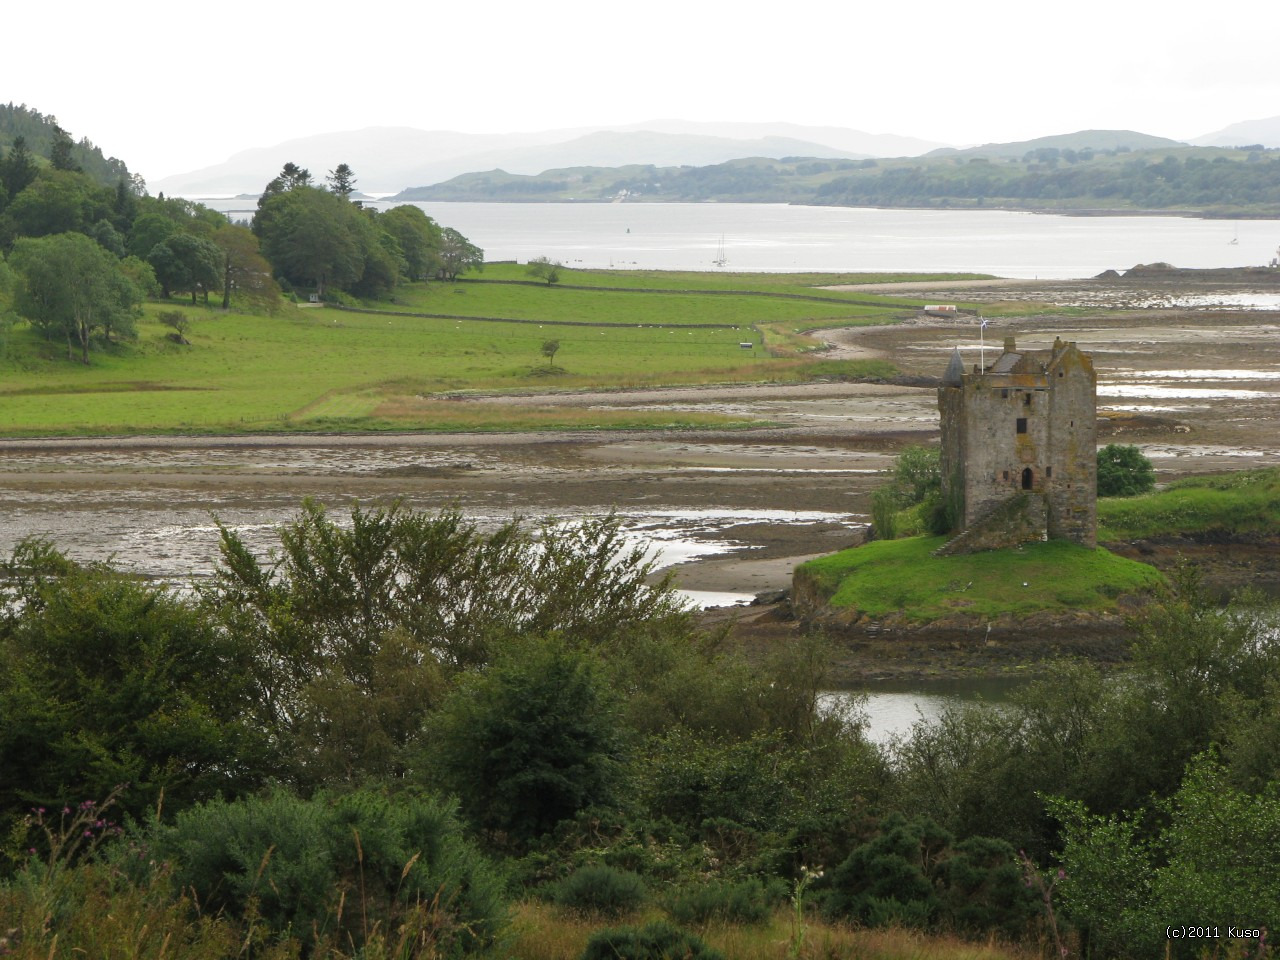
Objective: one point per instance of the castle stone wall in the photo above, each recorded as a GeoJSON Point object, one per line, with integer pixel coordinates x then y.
{"type": "Point", "coordinates": [1026, 424]}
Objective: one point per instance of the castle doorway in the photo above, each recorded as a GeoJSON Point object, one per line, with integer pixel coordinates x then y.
{"type": "Point", "coordinates": [1026, 479]}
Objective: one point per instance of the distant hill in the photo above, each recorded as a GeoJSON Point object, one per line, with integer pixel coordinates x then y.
{"type": "Point", "coordinates": [1096, 140]}
{"type": "Point", "coordinates": [1174, 178]}
{"type": "Point", "coordinates": [387, 159]}
{"type": "Point", "coordinates": [1264, 132]}
{"type": "Point", "coordinates": [37, 129]}
{"type": "Point", "coordinates": [753, 179]}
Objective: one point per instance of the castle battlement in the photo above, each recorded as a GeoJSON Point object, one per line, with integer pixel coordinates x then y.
{"type": "Point", "coordinates": [1023, 427]}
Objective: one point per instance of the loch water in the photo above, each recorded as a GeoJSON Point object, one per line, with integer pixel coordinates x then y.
{"type": "Point", "coordinates": [794, 238]}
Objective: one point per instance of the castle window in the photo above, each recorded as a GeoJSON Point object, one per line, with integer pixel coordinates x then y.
{"type": "Point", "coordinates": [1026, 399]}
{"type": "Point", "coordinates": [1027, 477]}
{"type": "Point", "coordinates": [1048, 471]}
{"type": "Point", "coordinates": [1022, 424]}
{"type": "Point", "coordinates": [1006, 476]}
{"type": "Point", "coordinates": [1059, 373]}
{"type": "Point", "coordinates": [1004, 394]}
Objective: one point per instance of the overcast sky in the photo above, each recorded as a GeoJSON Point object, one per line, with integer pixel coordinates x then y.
{"type": "Point", "coordinates": [171, 87]}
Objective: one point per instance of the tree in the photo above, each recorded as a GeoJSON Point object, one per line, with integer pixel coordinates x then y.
{"type": "Point", "coordinates": [418, 236]}
{"type": "Point", "coordinates": [7, 316]}
{"type": "Point", "coordinates": [342, 181]}
{"type": "Point", "coordinates": [107, 237]}
{"type": "Point", "coordinates": [186, 262]}
{"type": "Point", "coordinates": [142, 275]}
{"type": "Point", "coordinates": [314, 237]}
{"type": "Point", "coordinates": [60, 151]}
{"type": "Point", "coordinates": [1124, 472]}
{"type": "Point", "coordinates": [457, 255]}
{"type": "Point", "coordinates": [178, 322]}
{"type": "Point", "coordinates": [73, 288]}
{"type": "Point", "coordinates": [18, 169]}
{"type": "Point", "coordinates": [244, 270]}
{"type": "Point", "coordinates": [545, 269]}
{"type": "Point", "coordinates": [294, 176]}
{"type": "Point", "coordinates": [311, 237]}
{"type": "Point", "coordinates": [530, 741]}
{"type": "Point", "coordinates": [58, 201]}
{"type": "Point", "coordinates": [549, 349]}
{"type": "Point", "coordinates": [148, 230]}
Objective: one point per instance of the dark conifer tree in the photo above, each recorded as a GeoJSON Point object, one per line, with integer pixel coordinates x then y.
{"type": "Point", "coordinates": [342, 181]}
{"type": "Point", "coordinates": [18, 169]}
{"type": "Point", "coordinates": [60, 151]}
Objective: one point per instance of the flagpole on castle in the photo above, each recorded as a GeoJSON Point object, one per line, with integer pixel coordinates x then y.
{"type": "Point", "coordinates": [982, 346]}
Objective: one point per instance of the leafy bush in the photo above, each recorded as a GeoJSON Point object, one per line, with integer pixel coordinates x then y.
{"type": "Point", "coordinates": [529, 742]}
{"type": "Point", "coordinates": [654, 941]}
{"type": "Point", "coordinates": [1214, 857]}
{"type": "Point", "coordinates": [912, 502]}
{"type": "Point", "coordinates": [106, 680]}
{"type": "Point", "coordinates": [1124, 472]}
{"type": "Point", "coordinates": [747, 901]}
{"type": "Point", "coordinates": [339, 867]}
{"type": "Point", "coordinates": [602, 890]}
{"type": "Point", "coordinates": [359, 624]}
{"type": "Point", "coordinates": [697, 781]}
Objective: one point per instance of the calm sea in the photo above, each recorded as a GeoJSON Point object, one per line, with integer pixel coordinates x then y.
{"type": "Point", "coordinates": [777, 237]}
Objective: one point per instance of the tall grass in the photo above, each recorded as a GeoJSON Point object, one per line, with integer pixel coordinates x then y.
{"type": "Point", "coordinates": [543, 932]}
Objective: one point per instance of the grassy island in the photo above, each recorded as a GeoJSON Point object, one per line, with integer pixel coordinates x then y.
{"type": "Point", "coordinates": [904, 578]}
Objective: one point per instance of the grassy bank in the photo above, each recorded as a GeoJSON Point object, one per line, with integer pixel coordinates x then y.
{"type": "Point", "coordinates": [1233, 503]}
{"type": "Point", "coordinates": [316, 369]}
{"type": "Point", "coordinates": [904, 578]}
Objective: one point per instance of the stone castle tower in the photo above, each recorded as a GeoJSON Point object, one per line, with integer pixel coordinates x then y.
{"type": "Point", "coordinates": [1019, 447]}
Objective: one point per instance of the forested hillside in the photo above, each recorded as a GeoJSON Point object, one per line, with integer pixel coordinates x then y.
{"type": "Point", "coordinates": [85, 247]}
{"type": "Point", "coordinates": [40, 132]}
{"type": "Point", "coordinates": [1213, 180]}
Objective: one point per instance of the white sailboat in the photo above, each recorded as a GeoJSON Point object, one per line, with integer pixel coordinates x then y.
{"type": "Point", "coordinates": [720, 260]}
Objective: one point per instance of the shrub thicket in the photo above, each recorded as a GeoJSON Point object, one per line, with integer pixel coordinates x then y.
{"type": "Point", "coordinates": [654, 941]}
{"type": "Point", "coordinates": [337, 867]}
{"type": "Point", "coordinates": [601, 890]}
{"type": "Point", "coordinates": [743, 901]}
{"type": "Point", "coordinates": [913, 873]}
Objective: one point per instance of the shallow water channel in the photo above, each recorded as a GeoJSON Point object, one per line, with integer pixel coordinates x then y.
{"type": "Point", "coordinates": [890, 709]}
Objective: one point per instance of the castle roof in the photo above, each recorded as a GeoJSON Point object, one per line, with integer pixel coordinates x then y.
{"type": "Point", "coordinates": [1014, 361]}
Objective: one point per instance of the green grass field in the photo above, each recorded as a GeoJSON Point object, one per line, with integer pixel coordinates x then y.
{"type": "Point", "coordinates": [1233, 503]}
{"type": "Point", "coordinates": [319, 369]}
{"type": "Point", "coordinates": [903, 577]}
{"type": "Point", "coordinates": [614, 297]}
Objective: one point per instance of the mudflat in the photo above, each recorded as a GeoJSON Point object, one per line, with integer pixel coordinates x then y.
{"type": "Point", "coordinates": [1198, 389]}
